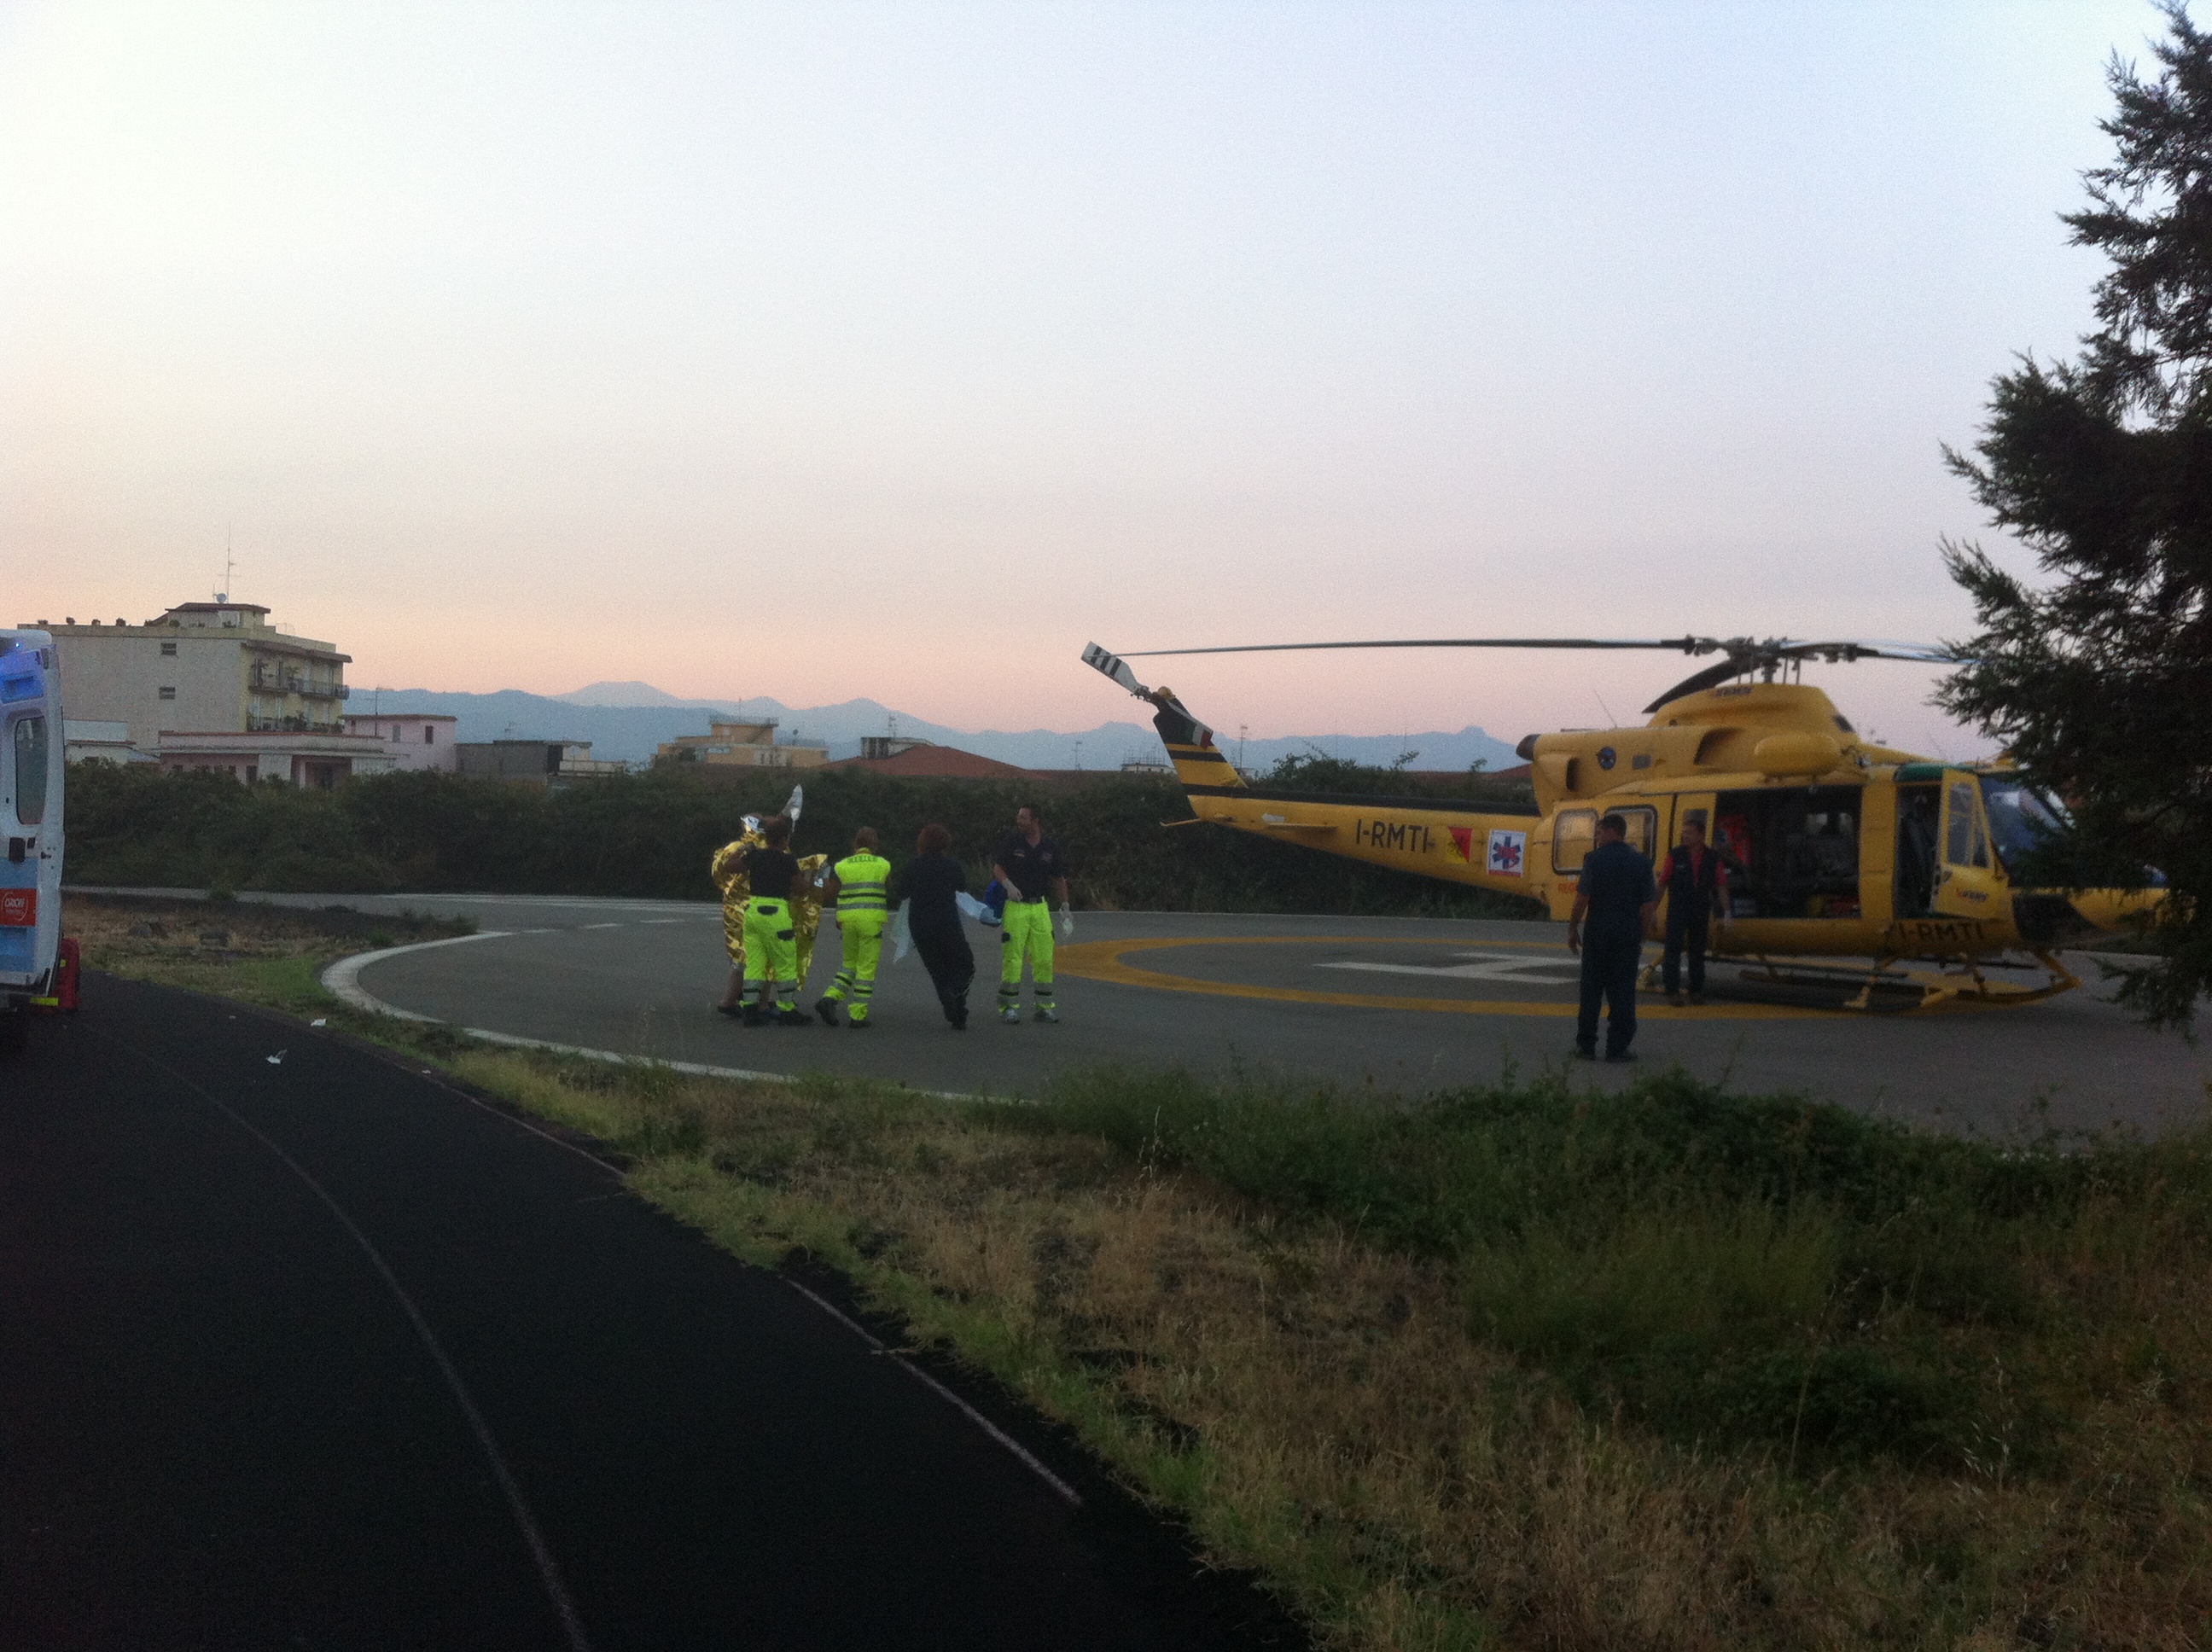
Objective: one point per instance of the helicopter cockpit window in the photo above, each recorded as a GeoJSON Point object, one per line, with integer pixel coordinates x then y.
{"type": "Point", "coordinates": [2021, 818]}
{"type": "Point", "coordinates": [1572, 836]}
{"type": "Point", "coordinates": [1792, 851]}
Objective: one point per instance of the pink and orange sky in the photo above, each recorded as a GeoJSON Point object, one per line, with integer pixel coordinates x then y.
{"type": "Point", "coordinates": [898, 351]}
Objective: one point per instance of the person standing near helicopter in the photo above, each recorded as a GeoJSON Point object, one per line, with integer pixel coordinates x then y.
{"type": "Point", "coordinates": [1695, 880]}
{"type": "Point", "coordinates": [1616, 897]}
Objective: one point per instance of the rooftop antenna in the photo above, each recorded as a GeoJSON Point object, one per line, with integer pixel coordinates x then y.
{"type": "Point", "coordinates": [229, 564]}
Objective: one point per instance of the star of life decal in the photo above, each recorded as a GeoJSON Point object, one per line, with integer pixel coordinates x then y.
{"type": "Point", "coordinates": [1508, 852]}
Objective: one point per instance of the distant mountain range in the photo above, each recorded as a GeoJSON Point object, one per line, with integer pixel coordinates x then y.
{"type": "Point", "coordinates": [626, 721]}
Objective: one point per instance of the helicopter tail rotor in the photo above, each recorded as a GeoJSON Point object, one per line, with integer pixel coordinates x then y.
{"type": "Point", "coordinates": [1114, 666]}
{"type": "Point", "coordinates": [1198, 762]}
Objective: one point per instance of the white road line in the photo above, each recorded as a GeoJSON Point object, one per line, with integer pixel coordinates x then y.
{"type": "Point", "coordinates": [1497, 967]}
{"type": "Point", "coordinates": [598, 925]}
{"type": "Point", "coordinates": [549, 1570]}
{"type": "Point", "coordinates": [915, 1371]}
{"type": "Point", "coordinates": [343, 979]}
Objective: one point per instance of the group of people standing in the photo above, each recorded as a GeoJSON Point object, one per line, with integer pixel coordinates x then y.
{"type": "Point", "coordinates": [773, 900]}
{"type": "Point", "coordinates": [1615, 901]}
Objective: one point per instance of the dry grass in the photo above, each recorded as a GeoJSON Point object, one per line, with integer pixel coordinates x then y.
{"type": "Point", "coordinates": [1322, 1408]}
{"type": "Point", "coordinates": [266, 955]}
{"type": "Point", "coordinates": [1321, 1411]}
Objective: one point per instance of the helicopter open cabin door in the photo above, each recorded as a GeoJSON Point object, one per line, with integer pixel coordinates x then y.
{"type": "Point", "coordinates": [1969, 882]}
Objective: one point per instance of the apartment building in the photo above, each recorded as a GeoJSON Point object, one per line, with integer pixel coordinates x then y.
{"type": "Point", "coordinates": [216, 685]}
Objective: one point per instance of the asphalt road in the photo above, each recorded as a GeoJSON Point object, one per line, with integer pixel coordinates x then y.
{"type": "Point", "coordinates": [305, 1348]}
{"type": "Point", "coordinates": [1405, 1005]}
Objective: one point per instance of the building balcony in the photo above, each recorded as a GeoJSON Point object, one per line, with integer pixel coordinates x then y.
{"type": "Point", "coordinates": [293, 726]}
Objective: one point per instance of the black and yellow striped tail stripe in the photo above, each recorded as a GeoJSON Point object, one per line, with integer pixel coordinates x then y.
{"type": "Point", "coordinates": [1197, 760]}
{"type": "Point", "coordinates": [1203, 766]}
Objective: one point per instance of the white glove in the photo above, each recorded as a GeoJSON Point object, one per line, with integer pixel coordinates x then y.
{"type": "Point", "coordinates": [1067, 923]}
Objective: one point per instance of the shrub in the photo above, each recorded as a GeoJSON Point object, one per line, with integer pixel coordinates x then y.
{"type": "Point", "coordinates": [652, 834]}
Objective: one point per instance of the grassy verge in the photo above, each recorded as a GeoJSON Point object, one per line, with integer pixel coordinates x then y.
{"type": "Point", "coordinates": [1512, 1366]}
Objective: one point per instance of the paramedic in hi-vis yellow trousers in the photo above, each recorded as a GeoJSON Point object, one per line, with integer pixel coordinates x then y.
{"type": "Point", "coordinates": [1030, 866]}
{"type": "Point", "coordinates": [771, 937]}
{"type": "Point", "coordinates": [857, 884]}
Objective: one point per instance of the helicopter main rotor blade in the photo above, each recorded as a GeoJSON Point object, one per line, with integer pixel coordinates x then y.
{"type": "Point", "coordinates": [1740, 660]}
{"type": "Point", "coordinates": [1680, 645]}
{"type": "Point", "coordinates": [1926, 654]}
{"type": "Point", "coordinates": [1712, 677]}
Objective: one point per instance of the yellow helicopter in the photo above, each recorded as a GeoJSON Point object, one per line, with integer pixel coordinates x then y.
{"type": "Point", "coordinates": [1837, 848]}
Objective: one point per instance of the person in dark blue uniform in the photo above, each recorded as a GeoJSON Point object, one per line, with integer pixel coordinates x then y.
{"type": "Point", "coordinates": [1613, 909]}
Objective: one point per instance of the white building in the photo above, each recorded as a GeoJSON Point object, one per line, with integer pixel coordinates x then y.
{"type": "Point", "coordinates": [86, 740]}
{"type": "Point", "coordinates": [414, 743]}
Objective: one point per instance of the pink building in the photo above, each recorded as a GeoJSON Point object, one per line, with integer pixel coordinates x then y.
{"type": "Point", "coordinates": [421, 742]}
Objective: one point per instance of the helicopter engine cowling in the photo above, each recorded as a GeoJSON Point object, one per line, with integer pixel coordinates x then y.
{"type": "Point", "coordinates": [1796, 754]}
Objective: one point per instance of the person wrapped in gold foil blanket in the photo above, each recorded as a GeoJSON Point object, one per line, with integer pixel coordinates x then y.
{"type": "Point", "coordinates": [727, 869]}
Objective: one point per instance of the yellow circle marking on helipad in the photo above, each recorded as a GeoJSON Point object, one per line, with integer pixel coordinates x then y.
{"type": "Point", "coordinates": [1101, 960]}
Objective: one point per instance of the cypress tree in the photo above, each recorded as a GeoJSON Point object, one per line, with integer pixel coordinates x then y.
{"type": "Point", "coordinates": [2099, 675]}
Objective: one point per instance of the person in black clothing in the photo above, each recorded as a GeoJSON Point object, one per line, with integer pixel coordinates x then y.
{"type": "Point", "coordinates": [1696, 881]}
{"type": "Point", "coordinates": [1617, 899]}
{"type": "Point", "coordinates": [928, 883]}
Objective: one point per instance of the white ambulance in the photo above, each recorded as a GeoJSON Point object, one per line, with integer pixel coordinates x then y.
{"type": "Point", "coordinates": [31, 756]}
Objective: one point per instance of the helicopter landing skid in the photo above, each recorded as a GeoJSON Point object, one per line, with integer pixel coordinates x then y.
{"type": "Point", "coordinates": [1887, 989]}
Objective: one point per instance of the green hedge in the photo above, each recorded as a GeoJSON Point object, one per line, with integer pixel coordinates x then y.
{"type": "Point", "coordinates": [652, 834]}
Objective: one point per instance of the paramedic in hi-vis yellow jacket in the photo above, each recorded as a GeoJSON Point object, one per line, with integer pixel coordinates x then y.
{"type": "Point", "coordinates": [858, 884]}
{"type": "Point", "coordinates": [1030, 866]}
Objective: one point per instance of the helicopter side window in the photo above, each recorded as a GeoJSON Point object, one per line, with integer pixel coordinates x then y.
{"type": "Point", "coordinates": [1572, 836]}
{"type": "Point", "coordinates": [1642, 829]}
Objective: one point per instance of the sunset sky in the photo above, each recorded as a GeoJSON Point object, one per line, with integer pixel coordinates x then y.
{"type": "Point", "coordinates": [829, 350]}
